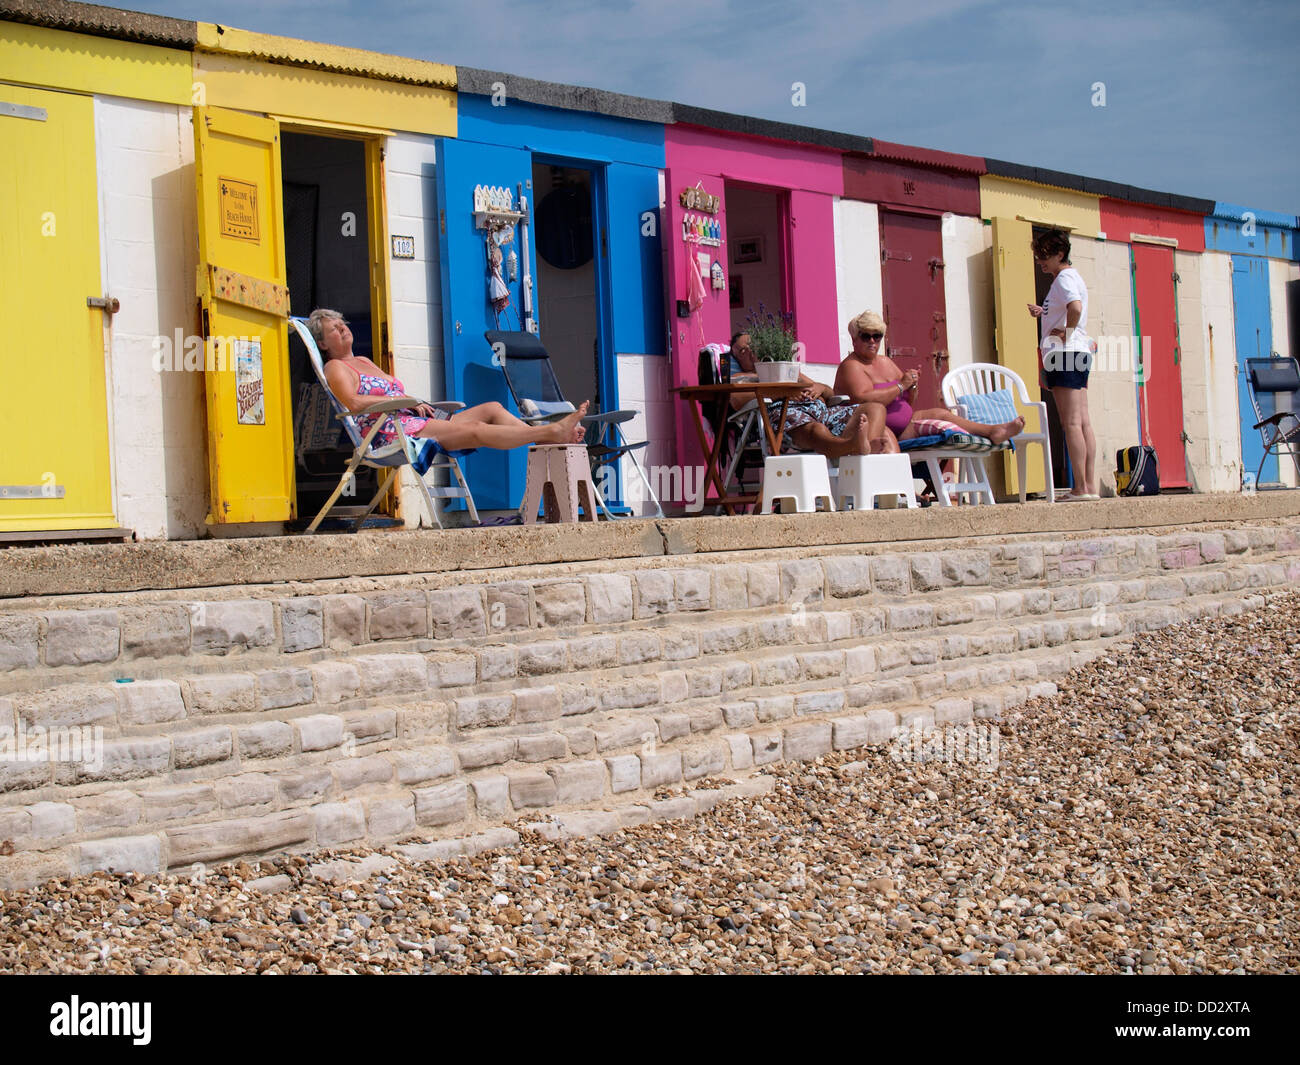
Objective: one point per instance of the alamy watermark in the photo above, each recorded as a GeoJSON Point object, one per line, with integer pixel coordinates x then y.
{"type": "Point", "coordinates": [976, 745]}
{"type": "Point", "coordinates": [75, 744]}
{"type": "Point", "coordinates": [671, 484]}
{"type": "Point", "coordinates": [189, 353]}
{"type": "Point", "coordinates": [1113, 354]}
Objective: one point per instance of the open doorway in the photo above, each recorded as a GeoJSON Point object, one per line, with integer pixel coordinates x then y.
{"type": "Point", "coordinates": [1061, 476]}
{"type": "Point", "coordinates": [327, 264]}
{"type": "Point", "coordinates": [755, 250]}
{"type": "Point", "coordinates": [567, 297]}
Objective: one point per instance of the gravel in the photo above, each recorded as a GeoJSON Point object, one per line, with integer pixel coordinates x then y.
{"type": "Point", "coordinates": [1142, 820]}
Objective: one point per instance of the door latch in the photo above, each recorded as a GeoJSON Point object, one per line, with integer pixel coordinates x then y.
{"type": "Point", "coordinates": [107, 304]}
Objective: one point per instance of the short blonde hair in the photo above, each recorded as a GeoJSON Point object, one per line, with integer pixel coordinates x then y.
{"type": "Point", "coordinates": [866, 322]}
{"type": "Point", "coordinates": [316, 324]}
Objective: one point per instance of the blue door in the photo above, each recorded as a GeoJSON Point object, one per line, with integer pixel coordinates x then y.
{"type": "Point", "coordinates": [496, 477]}
{"type": "Point", "coordinates": [1254, 337]}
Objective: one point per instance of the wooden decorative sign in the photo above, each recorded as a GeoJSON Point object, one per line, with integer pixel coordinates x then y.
{"type": "Point", "coordinates": [696, 199]}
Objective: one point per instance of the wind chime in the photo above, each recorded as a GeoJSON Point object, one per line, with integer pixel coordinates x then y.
{"type": "Point", "coordinates": [495, 213]}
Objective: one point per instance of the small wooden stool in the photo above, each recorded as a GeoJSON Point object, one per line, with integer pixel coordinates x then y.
{"type": "Point", "coordinates": [559, 478]}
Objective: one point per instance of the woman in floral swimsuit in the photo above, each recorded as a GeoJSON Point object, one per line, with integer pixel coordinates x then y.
{"type": "Point", "coordinates": [359, 383]}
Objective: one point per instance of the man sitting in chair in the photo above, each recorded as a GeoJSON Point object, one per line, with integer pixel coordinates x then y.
{"type": "Point", "coordinates": [810, 425]}
{"type": "Point", "coordinates": [359, 383]}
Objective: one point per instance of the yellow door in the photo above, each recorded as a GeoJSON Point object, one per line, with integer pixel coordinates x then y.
{"type": "Point", "coordinates": [54, 457]}
{"type": "Point", "coordinates": [1017, 331]}
{"type": "Point", "coordinates": [245, 306]}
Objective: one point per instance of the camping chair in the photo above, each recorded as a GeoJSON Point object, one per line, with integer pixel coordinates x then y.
{"type": "Point", "coordinates": [421, 455]}
{"type": "Point", "coordinates": [532, 382]}
{"type": "Point", "coordinates": [972, 390]}
{"type": "Point", "coordinates": [1274, 383]}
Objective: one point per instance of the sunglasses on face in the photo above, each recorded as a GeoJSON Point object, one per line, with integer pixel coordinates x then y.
{"type": "Point", "coordinates": [877, 337]}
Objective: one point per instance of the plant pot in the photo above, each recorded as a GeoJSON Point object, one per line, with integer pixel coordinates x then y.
{"type": "Point", "coordinates": [772, 372]}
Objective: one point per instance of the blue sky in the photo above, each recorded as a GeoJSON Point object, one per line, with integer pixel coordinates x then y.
{"type": "Point", "coordinates": [1200, 98]}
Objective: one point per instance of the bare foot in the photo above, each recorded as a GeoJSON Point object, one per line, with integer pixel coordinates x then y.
{"type": "Point", "coordinates": [1002, 433]}
{"type": "Point", "coordinates": [852, 440]}
{"type": "Point", "coordinates": [567, 430]}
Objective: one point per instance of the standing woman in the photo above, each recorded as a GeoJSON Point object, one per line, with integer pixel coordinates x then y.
{"type": "Point", "coordinates": [1067, 355]}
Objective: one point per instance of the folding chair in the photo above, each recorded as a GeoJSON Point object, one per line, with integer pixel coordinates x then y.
{"type": "Point", "coordinates": [1274, 384]}
{"type": "Point", "coordinates": [532, 382]}
{"type": "Point", "coordinates": [982, 379]}
{"type": "Point", "coordinates": [421, 455]}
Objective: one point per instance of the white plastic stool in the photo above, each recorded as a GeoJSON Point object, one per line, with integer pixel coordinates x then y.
{"type": "Point", "coordinates": [558, 479]}
{"type": "Point", "coordinates": [864, 477]}
{"type": "Point", "coordinates": [802, 479]}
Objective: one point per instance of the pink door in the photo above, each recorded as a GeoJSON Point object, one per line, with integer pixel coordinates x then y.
{"type": "Point", "coordinates": [911, 252]}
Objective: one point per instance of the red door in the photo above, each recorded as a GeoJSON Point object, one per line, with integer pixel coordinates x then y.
{"type": "Point", "coordinates": [1160, 394]}
{"type": "Point", "coordinates": [911, 253]}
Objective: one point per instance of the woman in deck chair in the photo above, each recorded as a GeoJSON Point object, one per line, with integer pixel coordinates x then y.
{"type": "Point", "coordinates": [359, 383]}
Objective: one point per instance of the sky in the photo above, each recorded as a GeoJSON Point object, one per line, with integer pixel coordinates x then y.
{"type": "Point", "coordinates": [1194, 98]}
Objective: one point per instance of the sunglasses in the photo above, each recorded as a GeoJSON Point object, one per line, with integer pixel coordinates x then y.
{"type": "Point", "coordinates": [871, 336]}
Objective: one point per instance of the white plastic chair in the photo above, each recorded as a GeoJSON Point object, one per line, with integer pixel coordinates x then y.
{"type": "Point", "coordinates": [984, 377]}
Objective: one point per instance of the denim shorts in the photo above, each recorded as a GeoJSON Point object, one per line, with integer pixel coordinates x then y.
{"type": "Point", "coordinates": [1067, 369]}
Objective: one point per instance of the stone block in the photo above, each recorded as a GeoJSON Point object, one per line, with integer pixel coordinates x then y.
{"type": "Point", "coordinates": [782, 630]}
{"type": "Point", "coordinates": [637, 647]}
{"type": "Point", "coordinates": [126, 760]}
{"type": "Point", "coordinates": [610, 597]}
{"type": "Point", "coordinates": [147, 702]}
{"type": "Point", "coordinates": [508, 606]}
{"type": "Point", "coordinates": [988, 704]}
{"type": "Point", "coordinates": [222, 693]}
{"type": "Point", "coordinates": [654, 593]}
{"type": "Point", "coordinates": [817, 665]}
{"type": "Point", "coordinates": [969, 568]}
{"type": "Point", "coordinates": [81, 637]}
{"type": "Point", "coordinates": [50, 820]}
{"type": "Point", "coordinates": [868, 622]}
{"type": "Point", "coordinates": [705, 718]}
{"type": "Point", "coordinates": [909, 617]}
{"type": "Point", "coordinates": [353, 773]}
{"type": "Point", "coordinates": [542, 747]}
{"type": "Point", "coordinates": [727, 639]}
{"type": "Point", "coordinates": [369, 726]}
{"type": "Point", "coordinates": [151, 631]}
{"type": "Point", "coordinates": [458, 614]}
{"type": "Point", "coordinates": [953, 711]}
{"type": "Point", "coordinates": [576, 699]}
{"type": "Point", "coordinates": [319, 732]}
{"type": "Point", "coordinates": [773, 707]}
{"type": "Point", "coordinates": [560, 604]}
{"type": "Point", "coordinates": [495, 663]}
{"type": "Point", "coordinates": [802, 581]}
{"type": "Point", "coordinates": [339, 822]}
{"type": "Point", "coordinates": [956, 645]}
{"type": "Point", "coordinates": [278, 688]}
{"type": "Point", "coordinates": [622, 732]}
{"type": "Point", "coordinates": [859, 662]}
{"type": "Point", "coordinates": [673, 687]}
{"type": "Point", "coordinates": [453, 670]}
{"type": "Point", "coordinates": [179, 802]}
{"type": "Point", "coordinates": [891, 575]}
{"type": "Point", "coordinates": [345, 620]}
{"type": "Point", "coordinates": [547, 656]}
{"type": "Point", "coordinates": [427, 763]}
{"type": "Point", "coordinates": [927, 573]}
{"type": "Point", "coordinates": [108, 809]}
{"type": "Point", "coordinates": [704, 759]}
{"type": "Point", "coordinates": [201, 746]}
{"type": "Point", "coordinates": [880, 726]}
{"type": "Point", "coordinates": [739, 750]}
{"type": "Point", "coordinates": [660, 769]}
{"type": "Point", "coordinates": [850, 732]}
{"type": "Point", "coordinates": [577, 782]}
{"type": "Point", "coordinates": [19, 642]}
{"type": "Point", "coordinates": [893, 655]}
{"type": "Point", "coordinates": [673, 726]}
{"type": "Point", "coordinates": [491, 795]}
{"type": "Point", "coordinates": [730, 588]}
{"type": "Point", "coordinates": [768, 747]}
{"type": "Point", "coordinates": [739, 715]}
{"type": "Point", "coordinates": [1037, 601]}
{"type": "Point", "coordinates": [593, 652]}
{"type": "Point", "coordinates": [624, 773]}
{"type": "Point", "coordinates": [777, 671]}
{"type": "Point", "coordinates": [389, 818]}
{"type": "Point", "coordinates": [75, 704]}
{"type": "Point", "coordinates": [705, 680]}
{"type": "Point", "coordinates": [537, 704]}
{"type": "Point", "coordinates": [929, 686]}
{"type": "Point", "coordinates": [239, 624]}
{"type": "Point", "coordinates": [484, 711]}
{"type": "Point", "coordinates": [764, 580]}
{"type": "Point", "coordinates": [847, 576]}
{"type": "Point", "coordinates": [924, 652]}
{"type": "Point", "coordinates": [912, 717]}
{"type": "Point", "coordinates": [692, 589]}
{"type": "Point", "coordinates": [475, 754]}
{"type": "Point", "coordinates": [630, 693]}
{"type": "Point", "coordinates": [392, 674]}
{"type": "Point", "coordinates": [824, 702]}
{"type": "Point", "coordinates": [808, 740]}
{"type": "Point", "coordinates": [221, 840]}
{"type": "Point", "coordinates": [681, 645]}
{"type": "Point", "coordinates": [398, 616]}
{"type": "Point", "coordinates": [737, 675]}
{"type": "Point", "coordinates": [335, 682]}
{"type": "Point", "coordinates": [246, 789]}
{"type": "Point", "coordinates": [531, 789]}
{"type": "Point", "coordinates": [839, 625]}
{"type": "Point", "coordinates": [305, 785]}
{"type": "Point", "coordinates": [302, 624]}
{"type": "Point", "coordinates": [123, 854]}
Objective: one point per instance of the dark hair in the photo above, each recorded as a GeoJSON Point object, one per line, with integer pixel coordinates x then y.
{"type": "Point", "coordinates": [1051, 242]}
{"type": "Point", "coordinates": [737, 336]}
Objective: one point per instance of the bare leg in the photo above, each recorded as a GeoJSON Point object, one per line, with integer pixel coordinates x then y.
{"type": "Point", "coordinates": [997, 433]}
{"type": "Point", "coordinates": [1072, 405]}
{"type": "Point", "coordinates": [881, 440]}
{"type": "Point", "coordinates": [814, 436]}
{"type": "Point", "coordinates": [484, 426]}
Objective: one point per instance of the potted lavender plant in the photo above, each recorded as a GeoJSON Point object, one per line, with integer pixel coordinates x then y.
{"type": "Point", "coordinates": [774, 343]}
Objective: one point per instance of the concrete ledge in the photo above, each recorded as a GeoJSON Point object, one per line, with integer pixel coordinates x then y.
{"type": "Point", "coordinates": [67, 569]}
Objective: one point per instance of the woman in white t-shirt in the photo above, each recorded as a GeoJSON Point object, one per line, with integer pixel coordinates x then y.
{"type": "Point", "coordinates": [1066, 352]}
